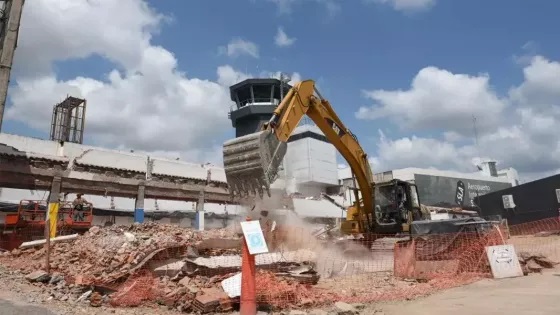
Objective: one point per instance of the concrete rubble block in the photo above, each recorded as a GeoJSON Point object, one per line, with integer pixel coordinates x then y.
{"type": "Point", "coordinates": [96, 300]}
{"type": "Point", "coordinates": [359, 306]}
{"type": "Point", "coordinates": [297, 312]}
{"type": "Point", "coordinates": [317, 312]}
{"type": "Point", "coordinates": [345, 309]}
{"type": "Point", "coordinates": [84, 296]}
{"type": "Point", "coordinates": [38, 276]}
{"type": "Point", "coordinates": [219, 243]}
{"type": "Point", "coordinates": [94, 230]}
{"type": "Point", "coordinates": [184, 282]}
{"type": "Point", "coordinates": [168, 267]}
{"type": "Point", "coordinates": [212, 300]}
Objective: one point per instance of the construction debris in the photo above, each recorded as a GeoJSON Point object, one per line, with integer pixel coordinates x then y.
{"type": "Point", "coordinates": [38, 276]}
{"type": "Point", "coordinates": [36, 243]}
{"type": "Point", "coordinates": [531, 263]}
{"type": "Point", "coordinates": [177, 267]}
{"type": "Point", "coordinates": [548, 233]}
{"type": "Point", "coordinates": [187, 270]}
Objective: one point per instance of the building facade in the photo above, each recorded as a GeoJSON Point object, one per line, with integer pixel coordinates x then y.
{"type": "Point", "coordinates": [528, 202]}
{"type": "Point", "coordinates": [439, 188]}
{"type": "Point", "coordinates": [310, 162]}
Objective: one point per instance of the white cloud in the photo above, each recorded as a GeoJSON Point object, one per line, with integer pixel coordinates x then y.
{"type": "Point", "coordinates": [524, 136]}
{"type": "Point", "coordinates": [239, 47]}
{"type": "Point", "coordinates": [418, 152]}
{"type": "Point", "coordinates": [285, 6]}
{"type": "Point", "coordinates": [90, 27]}
{"type": "Point", "coordinates": [334, 6]}
{"type": "Point", "coordinates": [228, 76]}
{"type": "Point", "coordinates": [294, 77]}
{"type": "Point", "coordinates": [282, 39]}
{"type": "Point", "coordinates": [407, 5]}
{"type": "Point", "coordinates": [147, 104]}
{"type": "Point", "coordinates": [438, 98]}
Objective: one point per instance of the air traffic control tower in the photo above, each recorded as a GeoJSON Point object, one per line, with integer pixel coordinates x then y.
{"type": "Point", "coordinates": [255, 101]}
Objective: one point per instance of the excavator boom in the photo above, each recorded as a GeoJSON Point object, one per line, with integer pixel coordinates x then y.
{"type": "Point", "coordinates": [252, 162]}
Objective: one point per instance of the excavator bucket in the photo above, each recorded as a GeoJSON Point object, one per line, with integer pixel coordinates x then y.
{"type": "Point", "coordinates": [251, 162]}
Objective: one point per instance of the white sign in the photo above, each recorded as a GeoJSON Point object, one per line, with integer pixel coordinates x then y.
{"type": "Point", "coordinates": [558, 195]}
{"type": "Point", "coordinates": [503, 261]}
{"type": "Point", "coordinates": [254, 237]}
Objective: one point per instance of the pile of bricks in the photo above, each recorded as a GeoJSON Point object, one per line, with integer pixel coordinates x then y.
{"type": "Point", "coordinates": [104, 254]}
{"type": "Point", "coordinates": [156, 263]}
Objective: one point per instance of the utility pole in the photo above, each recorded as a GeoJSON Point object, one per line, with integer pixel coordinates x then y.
{"type": "Point", "coordinates": [10, 17]}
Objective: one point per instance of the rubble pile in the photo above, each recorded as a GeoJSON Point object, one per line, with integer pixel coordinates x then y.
{"type": "Point", "coordinates": [180, 268]}
{"type": "Point", "coordinates": [531, 263]}
{"type": "Point", "coordinates": [280, 292]}
{"type": "Point", "coordinates": [105, 255]}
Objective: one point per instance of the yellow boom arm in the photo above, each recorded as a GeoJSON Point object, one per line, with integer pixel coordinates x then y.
{"type": "Point", "coordinates": [251, 162]}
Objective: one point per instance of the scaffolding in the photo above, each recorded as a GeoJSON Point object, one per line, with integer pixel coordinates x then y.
{"type": "Point", "coordinates": [68, 120]}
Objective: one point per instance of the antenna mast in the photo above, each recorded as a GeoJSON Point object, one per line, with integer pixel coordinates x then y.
{"type": "Point", "coordinates": [475, 133]}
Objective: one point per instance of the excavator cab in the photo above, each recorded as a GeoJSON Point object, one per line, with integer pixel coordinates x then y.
{"type": "Point", "coordinates": [396, 205]}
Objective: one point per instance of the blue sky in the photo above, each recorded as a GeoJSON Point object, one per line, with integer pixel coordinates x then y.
{"type": "Point", "coordinates": [349, 47]}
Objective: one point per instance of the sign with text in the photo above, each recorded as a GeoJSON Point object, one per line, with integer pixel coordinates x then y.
{"type": "Point", "coordinates": [254, 237]}
{"type": "Point", "coordinates": [442, 191]}
{"type": "Point", "coordinates": [503, 261]}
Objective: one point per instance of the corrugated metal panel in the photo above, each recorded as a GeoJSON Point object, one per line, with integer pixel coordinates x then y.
{"type": "Point", "coordinates": [11, 151]}
{"type": "Point", "coordinates": [218, 174]}
{"type": "Point", "coordinates": [179, 169]}
{"type": "Point", "coordinates": [113, 160]}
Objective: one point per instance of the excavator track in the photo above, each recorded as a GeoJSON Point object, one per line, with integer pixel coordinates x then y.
{"type": "Point", "coordinates": [251, 162]}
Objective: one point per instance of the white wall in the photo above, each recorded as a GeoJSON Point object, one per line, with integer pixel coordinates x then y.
{"type": "Point", "coordinates": [310, 165]}
{"type": "Point", "coordinates": [407, 174]}
{"type": "Point", "coordinates": [510, 174]}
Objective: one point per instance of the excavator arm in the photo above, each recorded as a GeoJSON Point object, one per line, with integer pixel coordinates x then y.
{"type": "Point", "coordinates": [252, 162]}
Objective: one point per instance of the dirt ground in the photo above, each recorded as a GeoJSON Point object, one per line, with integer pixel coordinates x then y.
{"type": "Point", "coordinates": [530, 295]}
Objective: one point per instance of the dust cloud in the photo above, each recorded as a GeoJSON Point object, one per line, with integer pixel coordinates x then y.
{"type": "Point", "coordinates": [334, 254]}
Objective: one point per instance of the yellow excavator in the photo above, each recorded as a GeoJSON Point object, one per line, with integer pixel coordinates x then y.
{"type": "Point", "coordinates": [252, 163]}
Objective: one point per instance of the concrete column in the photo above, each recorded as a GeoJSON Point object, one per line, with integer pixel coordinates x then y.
{"type": "Point", "coordinates": [54, 194]}
{"type": "Point", "coordinates": [199, 223]}
{"type": "Point", "coordinates": [200, 204]}
{"type": "Point", "coordinates": [139, 205]}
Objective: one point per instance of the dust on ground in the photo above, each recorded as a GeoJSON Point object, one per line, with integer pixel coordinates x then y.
{"type": "Point", "coordinates": [529, 295]}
